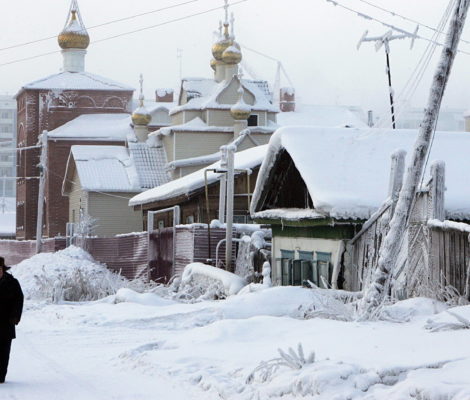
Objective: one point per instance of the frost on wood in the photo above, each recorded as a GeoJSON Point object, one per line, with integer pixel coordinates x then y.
{"type": "Point", "coordinates": [376, 292]}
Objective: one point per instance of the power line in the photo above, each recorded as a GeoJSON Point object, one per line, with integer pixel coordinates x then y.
{"type": "Point", "coordinates": [102, 24]}
{"type": "Point", "coordinates": [395, 14]}
{"type": "Point", "coordinates": [127, 33]}
{"type": "Point", "coordinates": [394, 27]}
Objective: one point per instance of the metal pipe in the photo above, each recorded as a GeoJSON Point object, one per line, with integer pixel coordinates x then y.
{"type": "Point", "coordinates": [150, 228]}
{"type": "Point", "coordinates": [218, 246]}
{"type": "Point", "coordinates": [208, 216]}
{"type": "Point", "coordinates": [230, 195]}
{"type": "Point", "coordinates": [223, 185]}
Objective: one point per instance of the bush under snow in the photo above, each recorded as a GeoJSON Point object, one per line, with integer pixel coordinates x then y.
{"type": "Point", "coordinates": [67, 275]}
{"type": "Point", "coordinates": [200, 281]}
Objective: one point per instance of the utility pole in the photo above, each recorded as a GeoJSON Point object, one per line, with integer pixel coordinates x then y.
{"type": "Point", "coordinates": [42, 187]}
{"type": "Point", "coordinates": [385, 40]}
{"type": "Point", "coordinates": [377, 290]}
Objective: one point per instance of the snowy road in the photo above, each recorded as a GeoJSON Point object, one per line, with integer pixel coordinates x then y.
{"type": "Point", "coordinates": [144, 347]}
{"type": "Point", "coordinates": [78, 364]}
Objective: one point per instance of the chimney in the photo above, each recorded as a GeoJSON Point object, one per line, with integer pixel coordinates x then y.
{"type": "Point", "coordinates": [287, 99]}
{"type": "Point", "coordinates": [164, 95]}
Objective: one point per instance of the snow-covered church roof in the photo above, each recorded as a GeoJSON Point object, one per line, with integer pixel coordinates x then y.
{"type": "Point", "coordinates": [203, 94]}
{"type": "Point", "coordinates": [346, 171]}
{"type": "Point", "coordinates": [112, 127]}
{"type": "Point", "coordinates": [188, 184]}
{"type": "Point", "coordinates": [77, 81]}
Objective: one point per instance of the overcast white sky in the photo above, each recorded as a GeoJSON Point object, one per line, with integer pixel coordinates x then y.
{"type": "Point", "coordinates": [315, 41]}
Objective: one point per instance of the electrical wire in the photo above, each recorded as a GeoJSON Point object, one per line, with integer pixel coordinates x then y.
{"type": "Point", "coordinates": [390, 26]}
{"type": "Point", "coordinates": [405, 18]}
{"type": "Point", "coordinates": [102, 24]}
{"type": "Point", "coordinates": [128, 33]}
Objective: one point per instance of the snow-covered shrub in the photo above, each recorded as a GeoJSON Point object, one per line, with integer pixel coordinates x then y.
{"type": "Point", "coordinates": [204, 282]}
{"type": "Point", "coordinates": [67, 275]}
{"type": "Point", "coordinates": [290, 359]}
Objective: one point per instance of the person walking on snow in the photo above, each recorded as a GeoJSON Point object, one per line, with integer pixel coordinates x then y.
{"type": "Point", "coordinates": [11, 307]}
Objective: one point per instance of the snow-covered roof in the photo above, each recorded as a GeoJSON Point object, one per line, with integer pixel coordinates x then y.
{"type": "Point", "coordinates": [150, 160]}
{"type": "Point", "coordinates": [96, 127]}
{"type": "Point", "coordinates": [204, 93]}
{"type": "Point", "coordinates": [346, 171]}
{"type": "Point", "coordinates": [77, 81]}
{"type": "Point", "coordinates": [105, 169]}
{"type": "Point", "coordinates": [323, 115]}
{"type": "Point", "coordinates": [246, 159]}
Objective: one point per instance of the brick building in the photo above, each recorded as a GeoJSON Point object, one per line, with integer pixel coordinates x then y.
{"type": "Point", "coordinates": [47, 104]}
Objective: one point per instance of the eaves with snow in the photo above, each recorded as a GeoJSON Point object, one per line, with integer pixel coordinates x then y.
{"type": "Point", "coordinates": [111, 127]}
{"type": "Point", "coordinates": [346, 170]}
{"type": "Point", "coordinates": [76, 81]}
{"type": "Point", "coordinates": [185, 186]}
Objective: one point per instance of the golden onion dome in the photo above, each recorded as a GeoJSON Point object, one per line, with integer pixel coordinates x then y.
{"type": "Point", "coordinates": [240, 111]}
{"type": "Point", "coordinates": [219, 47]}
{"type": "Point", "coordinates": [141, 117]}
{"type": "Point", "coordinates": [213, 63]}
{"type": "Point", "coordinates": [74, 35]}
{"type": "Point", "coordinates": [232, 55]}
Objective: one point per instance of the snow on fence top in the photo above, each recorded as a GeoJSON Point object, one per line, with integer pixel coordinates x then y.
{"type": "Point", "coordinates": [347, 171]}
{"type": "Point", "coordinates": [77, 81]}
{"type": "Point", "coordinates": [96, 126]}
{"type": "Point", "coordinates": [246, 159]}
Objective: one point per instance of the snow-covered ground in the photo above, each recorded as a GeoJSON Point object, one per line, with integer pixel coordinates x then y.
{"type": "Point", "coordinates": [131, 346]}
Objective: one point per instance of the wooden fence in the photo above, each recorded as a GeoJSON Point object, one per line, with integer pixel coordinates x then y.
{"type": "Point", "coordinates": [434, 257]}
{"type": "Point", "coordinates": [132, 255]}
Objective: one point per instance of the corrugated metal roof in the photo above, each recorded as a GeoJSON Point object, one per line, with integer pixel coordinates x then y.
{"type": "Point", "coordinates": [150, 164]}
{"type": "Point", "coordinates": [105, 169]}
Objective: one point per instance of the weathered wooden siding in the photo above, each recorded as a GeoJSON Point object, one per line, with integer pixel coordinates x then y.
{"type": "Point", "coordinates": [450, 258]}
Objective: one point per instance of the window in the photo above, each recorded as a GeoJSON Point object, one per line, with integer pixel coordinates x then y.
{"type": "Point", "coordinates": [5, 115]}
{"type": "Point", "coordinates": [161, 224]}
{"type": "Point", "coordinates": [310, 266]}
{"type": "Point", "coordinates": [287, 258]}
{"type": "Point", "coordinates": [323, 264]}
{"type": "Point", "coordinates": [190, 219]}
{"type": "Point", "coordinates": [253, 120]}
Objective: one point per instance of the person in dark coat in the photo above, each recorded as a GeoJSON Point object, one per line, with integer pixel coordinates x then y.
{"type": "Point", "coordinates": [11, 307]}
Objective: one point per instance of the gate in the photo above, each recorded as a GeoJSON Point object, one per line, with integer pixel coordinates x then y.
{"type": "Point", "coordinates": [162, 249]}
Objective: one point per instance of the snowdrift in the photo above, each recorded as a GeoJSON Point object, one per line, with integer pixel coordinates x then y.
{"type": "Point", "coordinates": [67, 275]}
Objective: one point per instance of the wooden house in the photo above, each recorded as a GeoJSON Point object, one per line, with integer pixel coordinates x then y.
{"type": "Point", "coordinates": [189, 192]}
{"type": "Point", "coordinates": [318, 186]}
